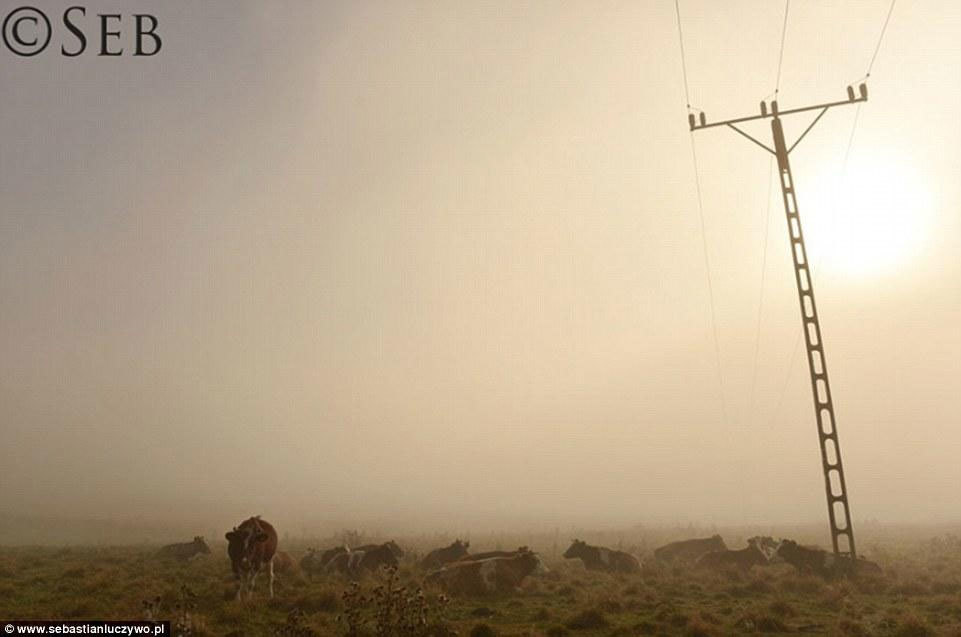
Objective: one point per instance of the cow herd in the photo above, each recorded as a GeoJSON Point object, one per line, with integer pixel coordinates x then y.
{"type": "Point", "coordinates": [252, 549]}
{"type": "Point", "coordinates": [712, 553]}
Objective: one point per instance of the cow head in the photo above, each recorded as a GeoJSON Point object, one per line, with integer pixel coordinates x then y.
{"type": "Point", "coordinates": [576, 549]}
{"type": "Point", "coordinates": [201, 545]}
{"type": "Point", "coordinates": [386, 554]}
{"type": "Point", "coordinates": [527, 556]}
{"type": "Point", "coordinates": [766, 545]}
{"type": "Point", "coordinates": [460, 545]}
{"type": "Point", "coordinates": [395, 549]}
{"type": "Point", "coordinates": [787, 550]}
{"type": "Point", "coordinates": [759, 554]}
{"type": "Point", "coordinates": [528, 560]}
{"type": "Point", "coordinates": [241, 541]}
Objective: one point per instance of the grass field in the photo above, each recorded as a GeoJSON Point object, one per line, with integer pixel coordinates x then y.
{"type": "Point", "coordinates": [920, 594]}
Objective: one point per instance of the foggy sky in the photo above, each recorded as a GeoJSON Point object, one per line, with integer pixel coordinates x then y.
{"type": "Point", "coordinates": [442, 262]}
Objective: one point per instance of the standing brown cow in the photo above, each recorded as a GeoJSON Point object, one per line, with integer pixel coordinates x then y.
{"type": "Point", "coordinates": [251, 546]}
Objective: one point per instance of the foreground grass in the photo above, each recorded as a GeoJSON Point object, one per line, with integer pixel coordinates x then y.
{"type": "Point", "coordinates": [920, 595]}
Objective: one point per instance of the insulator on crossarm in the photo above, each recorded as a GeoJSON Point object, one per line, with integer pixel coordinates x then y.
{"type": "Point", "coordinates": [690, 120]}
{"type": "Point", "coordinates": [703, 119]}
{"type": "Point", "coordinates": [851, 93]}
{"type": "Point", "coordinates": [863, 88]}
{"type": "Point", "coordinates": [774, 107]}
{"type": "Point", "coordinates": [763, 107]}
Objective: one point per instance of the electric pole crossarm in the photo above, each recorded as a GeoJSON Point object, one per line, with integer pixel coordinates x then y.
{"type": "Point", "coordinates": [698, 125]}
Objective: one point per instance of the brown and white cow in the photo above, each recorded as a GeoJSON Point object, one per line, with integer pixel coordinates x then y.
{"type": "Point", "coordinates": [742, 560]}
{"type": "Point", "coordinates": [316, 561]}
{"type": "Point", "coordinates": [471, 557]}
{"type": "Point", "coordinates": [598, 558]}
{"type": "Point", "coordinates": [687, 551]}
{"type": "Point", "coordinates": [185, 550]}
{"type": "Point", "coordinates": [251, 546]}
{"type": "Point", "coordinates": [439, 557]}
{"type": "Point", "coordinates": [390, 544]}
{"type": "Point", "coordinates": [371, 558]}
{"type": "Point", "coordinates": [482, 577]}
{"type": "Point", "coordinates": [820, 562]}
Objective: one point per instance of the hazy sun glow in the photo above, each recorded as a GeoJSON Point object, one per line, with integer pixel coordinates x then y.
{"type": "Point", "coordinates": [871, 221]}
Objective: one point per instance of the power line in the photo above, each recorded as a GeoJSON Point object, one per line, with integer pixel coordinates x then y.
{"type": "Point", "coordinates": [881, 37]}
{"type": "Point", "coordinates": [780, 58]}
{"type": "Point", "coordinates": [767, 225]}
{"type": "Point", "coordinates": [700, 214]}
{"type": "Point", "coordinates": [760, 303]}
{"type": "Point", "coordinates": [710, 283]}
{"type": "Point", "coordinates": [680, 37]}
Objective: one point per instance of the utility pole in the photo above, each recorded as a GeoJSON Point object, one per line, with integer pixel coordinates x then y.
{"type": "Point", "coordinates": [839, 512]}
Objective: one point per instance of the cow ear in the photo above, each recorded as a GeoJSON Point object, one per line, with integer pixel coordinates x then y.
{"type": "Point", "coordinates": [230, 535]}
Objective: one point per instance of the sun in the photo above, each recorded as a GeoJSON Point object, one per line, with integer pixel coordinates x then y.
{"type": "Point", "coordinates": [870, 222]}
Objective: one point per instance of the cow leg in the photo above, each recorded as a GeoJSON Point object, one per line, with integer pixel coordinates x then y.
{"type": "Point", "coordinates": [241, 583]}
{"type": "Point", "coordinates": [270, 575]}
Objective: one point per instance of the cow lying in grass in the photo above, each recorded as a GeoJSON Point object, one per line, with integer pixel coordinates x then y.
{"type": "Point", "coordinates": [315, 562]}
{"type": "Point", "coordinates": [688, 551]}
{"type": "Point", "coordinates": [185, 550]}
{"type": "Point", "coordinates": [390, 544]}
{"type": "Point", "coordinates": [598, 558]}
{"type": "Point", "coordinates": [470, 557]}
{"type": "Point", "coordinates": [310, 563]}
{"type": "Point", "coordinates": [439, 557]}
{"type": "Point", "coordinates": [823, 563]}
{"type": "Point", "coordinates": [485, 576]}
{"type": "Point", "coordinates": [368, 558]}
{"type": "Point", "coordinates": [742, 560]}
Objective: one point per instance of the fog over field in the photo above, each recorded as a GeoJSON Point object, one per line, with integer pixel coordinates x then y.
{"type": "Point", "coordinates": [432, 266]}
